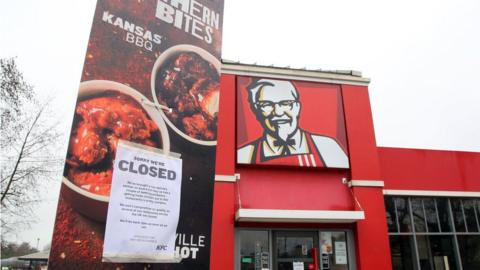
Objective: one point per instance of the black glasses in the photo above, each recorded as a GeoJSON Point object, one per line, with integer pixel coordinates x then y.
{"type": "Point", "coordinates": [267, 107]}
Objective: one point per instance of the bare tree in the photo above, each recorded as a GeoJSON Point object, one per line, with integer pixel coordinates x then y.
{"type": "Point", "coordinates": [29, 158]}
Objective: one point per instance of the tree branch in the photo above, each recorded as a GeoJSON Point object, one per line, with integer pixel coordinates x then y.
{"type": "Point", "coordinates": [20, 154]}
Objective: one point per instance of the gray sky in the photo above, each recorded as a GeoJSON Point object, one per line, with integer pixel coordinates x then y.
{"type": "Point", "coordinates": [423, 58]}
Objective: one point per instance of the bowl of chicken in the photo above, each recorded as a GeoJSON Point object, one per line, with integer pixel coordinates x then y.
{"type": "Point", "coordinates": [105, 113]}
{"type": "Point", "coordinates": [186, 79]}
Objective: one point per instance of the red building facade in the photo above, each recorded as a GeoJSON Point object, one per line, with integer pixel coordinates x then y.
{"type": "Point", "coordinates": [291, 217]}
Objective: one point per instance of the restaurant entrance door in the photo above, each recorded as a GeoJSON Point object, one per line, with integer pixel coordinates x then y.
{"type": "Point", "coordinates": [293, 250]}
{"type": "Point", "coordinates": [288, 249]}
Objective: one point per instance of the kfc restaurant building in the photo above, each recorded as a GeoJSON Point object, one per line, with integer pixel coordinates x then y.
{"type": "Point", "coordinates": [301, 183]}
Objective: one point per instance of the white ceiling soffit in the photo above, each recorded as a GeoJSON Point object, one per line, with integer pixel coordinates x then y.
{"type": "Point", "coordinates": [298, 216]}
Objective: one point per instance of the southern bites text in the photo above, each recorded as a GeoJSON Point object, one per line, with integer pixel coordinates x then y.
{"type": "Point", "coordinates": [190, 16]}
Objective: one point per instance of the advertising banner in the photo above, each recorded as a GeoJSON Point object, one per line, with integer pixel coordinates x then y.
{"type": "Point", "coordinates": [290, 123]}
{"type": "Point", "coordinates": [139, 171]}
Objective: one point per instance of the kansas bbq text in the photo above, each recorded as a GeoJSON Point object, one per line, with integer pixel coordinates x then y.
{"type": "Point", "coordinates": [134, 34]}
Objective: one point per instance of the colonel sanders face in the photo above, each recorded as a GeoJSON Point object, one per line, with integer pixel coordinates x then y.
{"type": "Point", "coordinates": [277, 107]}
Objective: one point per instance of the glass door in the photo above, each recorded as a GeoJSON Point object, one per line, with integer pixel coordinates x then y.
{"type": "Point", "coordinates": [270, 249]}
{"type": "Point", "coordinates": [333, 250]}
{"type": "Point", "coordinates": [293, 250]}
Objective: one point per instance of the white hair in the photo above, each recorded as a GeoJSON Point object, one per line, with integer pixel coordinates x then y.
{"type": "Point", "coordinates": [256, 85]}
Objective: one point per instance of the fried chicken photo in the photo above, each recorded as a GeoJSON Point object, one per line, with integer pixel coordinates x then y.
{"type": "Point", "coordinates": [99, 123]}
{"type": "Point", "coordinates": [190, 86]}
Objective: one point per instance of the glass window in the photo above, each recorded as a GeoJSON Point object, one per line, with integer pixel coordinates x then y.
{"type": "Point", "coordinates": [436, 252]}
{"type": "Point", "coordinates": [294, 247]}
{"type": "Point", "coordinates": [444, 214]}
{"type": "Point", "coordinates": [431, 215]}
{"type": "Point", "coordinates": [442, 253]}
{"type": "Point", "coordinates": [391, 215]}
{"type": "Point", "coordinates": [477, 202]}
{"type": "Point", "coordinates": [446, 235]}
{"type": "Point", "coordinates": [403, 213]}
{"type": "Point", "coordinates": [469, 246]}
{"type": "Point", "coordinates": [253, 249]}
{"type": "Point", "coordinates": [423, 252]}
{"type": "Point", "coordinates": [457, 213]}
{"type": "Point", "coordinates": [401, 247]}
{"type": "Point", "coordinates": [418, 215]}
{"type": "Point", "coordinates": [470, 215]}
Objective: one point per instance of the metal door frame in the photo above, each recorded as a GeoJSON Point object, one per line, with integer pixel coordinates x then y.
{"type": "Point", "coordinates": [352, 260]}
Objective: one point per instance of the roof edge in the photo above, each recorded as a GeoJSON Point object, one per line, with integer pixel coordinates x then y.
{"type": "Point", "coordinates": [351, 77]}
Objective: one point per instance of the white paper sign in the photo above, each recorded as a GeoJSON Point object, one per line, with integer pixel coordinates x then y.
{"type": "Point", "coordinates": [298, 266]}
{"type": "Point", "coordinates": [340, 252]}
{"type": "Point", "coordinates": [144, 205]}
{"type": "Point", "coordinates": [265, 261]}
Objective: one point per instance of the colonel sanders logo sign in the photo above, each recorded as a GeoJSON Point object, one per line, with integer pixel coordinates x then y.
{"type": "Point", "coordinates": [277, 107]}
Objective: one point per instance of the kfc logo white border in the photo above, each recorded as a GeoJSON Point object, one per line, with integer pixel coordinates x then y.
{"type": "Point", "coordinates": [277, 107]}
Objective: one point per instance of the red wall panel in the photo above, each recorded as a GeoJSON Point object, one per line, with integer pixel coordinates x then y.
{"type": "Point", "coordinates": [225, 162]}
{"type": "Point", "coordinates": [222, 242]}
{"type": "Point", "coordinates": [372, 244]}
{"type": "Point", "coordinates": [360, 133]}
{"type": "Point", "coordinates": [419, 169]}
{"type": "Point", "coordinates": [222, 247]}
{"type": "Point", "coordinates": [281, 188]}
